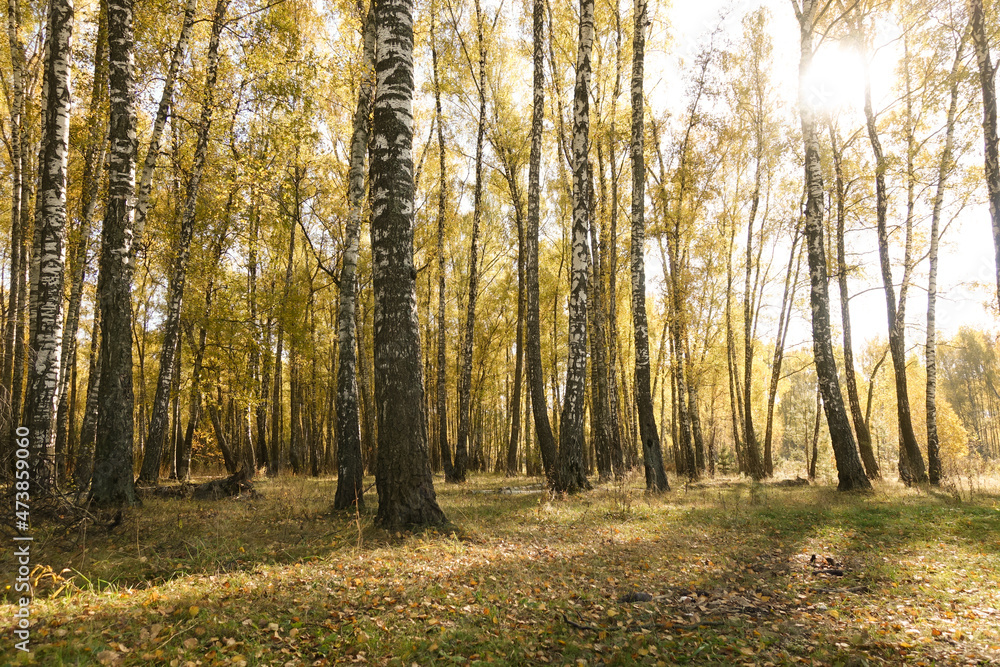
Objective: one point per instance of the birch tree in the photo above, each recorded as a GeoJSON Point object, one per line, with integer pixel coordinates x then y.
{"type": "Point", "coordinates": [350, 470]}
{"type": "Point", "coordinates": [849, 470]}
{"type": "Point", "coordinates": [16, 153]}
{"type": "Point", "coordinates": [572, 474]}
{"type": "Point", "coordinates": [402, 472]}
{"type": "Point", "coordinates": [987, 83]}
{"type": "Point", "coordinates": [656, 477]}
{"type": "Point", "coordinates": [914, 469]}
{"type": "Point", "coordinates": [22, 187]}
{"type": "Point", "coordinates": [93, 170]}
{"type": "Point", "coordinates": [841, 187]}
{"type": "Point", "coordinates": [465, 376]}
{"type": "Point", "coordinates": [946, 164]}
{"type": "Point", "coordinates": [150, 472]}
{"type": "Point", "coordinates": [533, 336]}
{"type": "Point", "coordinates": [43, 373]}
{"type": "Point", "coordinates": [112, 483]}
{"type": "Point", "coordinates": [441, 389]}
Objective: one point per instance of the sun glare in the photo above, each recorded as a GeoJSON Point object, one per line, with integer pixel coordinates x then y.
{"type": "Point", "coordinates": [835, 81]}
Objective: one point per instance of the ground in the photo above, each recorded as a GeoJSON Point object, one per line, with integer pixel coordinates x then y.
{"type": "Point", "coordinates": [737, 573]}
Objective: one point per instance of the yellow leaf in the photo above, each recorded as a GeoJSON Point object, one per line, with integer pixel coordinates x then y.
{"type": "Point", "coordinates": [193, 610]}
{"type": "Point", "coordinates": [109, 658]}
{"type": "Point", "coordinates": [957, 635]}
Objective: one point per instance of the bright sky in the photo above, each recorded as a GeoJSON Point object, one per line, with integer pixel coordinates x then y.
{"type": "Point", "coordinates": [966, 273]}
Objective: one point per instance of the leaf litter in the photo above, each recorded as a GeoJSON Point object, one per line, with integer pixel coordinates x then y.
{"type": "Point", "coordinates": [797, 576]}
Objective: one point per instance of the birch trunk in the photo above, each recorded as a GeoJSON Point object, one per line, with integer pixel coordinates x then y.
{"type": "Point", "coordinates": [182, 456]}
{"type": "Point", "coordinates": [16, 150]}
{"type": "Point", "coordinates": [536, 379]}
{"type": "Point", "coordinates": [600, 403]}
{"type": "Point", "coordinates": [150, 473]}
{"type": "Point", "coordinates": [511, 467]}
{"type": "Point", "coordinates": [350, 469]}
{"type": "Point", "coordinates": [83, 464]}
{"type": "Point", "coordinates": [93, 168]}
{"type": "Point", "coordinates": [441, 389]}
{"type": "Point", "coordinates": [182, 451]}
{"type": "Point", "coordinates": [945, 166]}
{"type": "Point", "coordinates": [811, 469]}
{"type": "Point", "coordinates": [44, 371]}
{"type": "Point", "coordinates": [465, 379]}
{"type": "Point", "coordinates": [112, 483]}
{"type": "Point", "coordinates": [735, 393]}
{"type": "Point", "coordinates": [572, 474]}
{"type": "Point", "coordinates": [228, 458]}
{"type": "Point", "coordinates": [987, 82]}
{"type": "Point", "coordinates": [685, 444]}
{"type": "Point", "coordinates": [277, 407]}
{"type": "Point", "coordinates": [403, 474]}
{"type": "Point", "coordinates": [897, 345]}
{"type": "Point", "coordinates": [784, 318]}
{"type": "Point", "coordinates": [860, 427]}
{"type": "Point", "coordinates": [849, 470]}
{"type": "Point", "coordinates": [754, 463]}
{"type": "Point", "coordinates": [611, 248]}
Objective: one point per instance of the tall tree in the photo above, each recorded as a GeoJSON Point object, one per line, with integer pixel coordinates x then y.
{"type": "Point", "coordinates": [43, 373]}
{"type": "Point", "coordinates": [914, 469]}
{"type": "Point", "coordinates": [987, 82]}
{"type": "Point", "coordinates": [849, 470]}
{"type": "Point", "coordinates": [536, 378]}
{"type": "Point", "coordinates": [112, 483]}
{"type": "Point", "coordinates": [93, 169]}
{"type": "Point", "coordinates": [465, 376]}
{"type": "Point", "coordinates": [860, 425]}
{"type": "Point", "coordinates": [656, 477]}
{"type": "Point", "coordinates": [402, 473]}
{"type": "Point", "coordinates": [610, 247]}
{"type": "Point", "coordinates": [572, 473]}
{"type": "Point", "coordinates": [945, 166]}
{"type": "Point", "coordinates": [350, 468]}
{"type": "Point", "coordinates": [441, 389]}
{"type": "Point", "coordinates": [21, 190]}
{"type": "Point", "coordinates": [600, 418]}
{"type": "Point", "coordinates": [15, 148]}
{"type": "Point", "coordinates": [150, 473]}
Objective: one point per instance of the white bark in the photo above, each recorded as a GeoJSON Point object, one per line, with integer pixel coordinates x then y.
{"type": "Point", "coordinates": [572, 473]}
{"type": "Point", "coordinates": [43, 373]}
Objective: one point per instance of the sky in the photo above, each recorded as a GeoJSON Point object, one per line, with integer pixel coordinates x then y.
{"type": "Point", "coordinates": [966, 272]}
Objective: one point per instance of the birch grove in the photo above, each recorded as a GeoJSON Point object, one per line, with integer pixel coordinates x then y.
{"type": "Point", "coordinates": [362, 244]}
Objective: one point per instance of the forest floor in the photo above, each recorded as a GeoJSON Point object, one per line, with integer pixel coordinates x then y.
{"type": "Point", "coordinates": [913, 577]}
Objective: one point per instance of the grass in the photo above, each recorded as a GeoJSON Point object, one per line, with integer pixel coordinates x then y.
{"type": "Point", "coordinates": [527, 579]}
